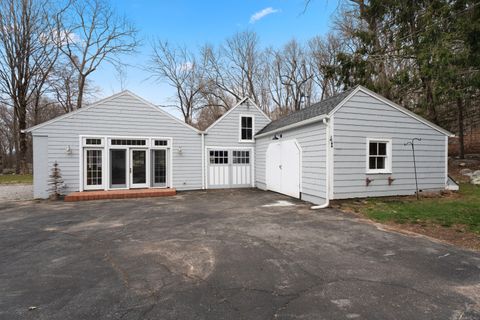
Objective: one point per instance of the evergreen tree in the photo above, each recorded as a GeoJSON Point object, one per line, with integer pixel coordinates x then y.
{"type": "Point", "coordinates": [55, 182]}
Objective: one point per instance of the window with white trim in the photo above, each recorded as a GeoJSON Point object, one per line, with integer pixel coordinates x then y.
{"type": "Point", "coordinates": [218, 157]}
{"type": "Point", "coordinates": [379, 156]}
{"type": "Point", "coordinates": [246, 128]}
{"type": "Point", "coordinates": [241, 157]}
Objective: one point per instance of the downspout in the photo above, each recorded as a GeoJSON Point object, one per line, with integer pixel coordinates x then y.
{"type": "Point", "coordinates": [326, 121]}
{"type": "Point", "coordinates": [203, 160]}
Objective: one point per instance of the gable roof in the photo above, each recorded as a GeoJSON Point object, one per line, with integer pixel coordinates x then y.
{"type": "Point", "coordinates": [329, 106]}
{"type": "Point", "coordinates": [93, 105]}
{"type": "Point", "coordinates": [239, 103]}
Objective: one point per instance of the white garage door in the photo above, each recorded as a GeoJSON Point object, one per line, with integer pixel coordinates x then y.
{"type": "Point", "coordinates": [229, 168]}
{"type": "Point", "coordinates": [283, 168]}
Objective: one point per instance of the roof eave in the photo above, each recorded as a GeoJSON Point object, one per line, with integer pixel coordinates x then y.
{"type": "Point", "coordinates": [293, 125]}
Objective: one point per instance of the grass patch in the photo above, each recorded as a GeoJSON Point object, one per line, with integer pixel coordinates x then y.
{"type": "Point", "coordinates": [460, 209]}
{"type": "Point", "coordinates": [16, 178]}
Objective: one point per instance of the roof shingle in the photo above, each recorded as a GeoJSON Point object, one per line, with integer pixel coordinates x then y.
{"type": "Point", "coordinates": [317, 109]}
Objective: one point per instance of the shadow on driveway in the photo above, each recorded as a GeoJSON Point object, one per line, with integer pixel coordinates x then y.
{"type": "Point", "coordinates": [232, 254]}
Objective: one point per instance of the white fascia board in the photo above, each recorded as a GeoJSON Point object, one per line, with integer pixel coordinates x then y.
{"type": "Point", "coordinates": [294, 125]}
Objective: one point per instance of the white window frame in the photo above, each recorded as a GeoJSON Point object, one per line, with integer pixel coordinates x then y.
{"type": "Point", "coordinates": [240, 128]}
{"type": "Point", "coordinates": [106, 146]}
{"type": "Point", "coordinates": [388, 160]}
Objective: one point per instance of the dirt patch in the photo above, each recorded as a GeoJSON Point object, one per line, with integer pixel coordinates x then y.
{"type": "Point", "coordinates": [457, 235]}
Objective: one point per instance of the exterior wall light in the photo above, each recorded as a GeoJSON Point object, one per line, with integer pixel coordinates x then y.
{"type": "Point", "coordinates": [180, 150]}
{"type": "Point", "coordinates": [68, 150]}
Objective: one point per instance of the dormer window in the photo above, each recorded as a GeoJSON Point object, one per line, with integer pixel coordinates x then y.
{"type": "Point", "coordinates": [246, 128]}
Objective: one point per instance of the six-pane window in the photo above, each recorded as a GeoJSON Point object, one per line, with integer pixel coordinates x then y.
{"type": "Point", "coordinates": [219, 157]}
{"type": "Point", "coordinates": [161, 142]}
{"type": "Point", "coordinates": [246, 128]}
{"type": "Point", "coordinates": [378, 157]}
{"type": "Point", "coordinates": [241, 157]}
{"type": "Point", "coordinates": [93, 141]}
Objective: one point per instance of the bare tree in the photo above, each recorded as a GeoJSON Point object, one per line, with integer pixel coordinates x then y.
{"type": "Point", "coordinates": [236, 69]}
{"type": "Point", "coordinates": [292, 77]}
{"type": "Point", "coordinates": [181, 70]}
{"type": "Point", "coordinates": [91, 33]}
{"type": "Point", "coordinates": [323, 54]}
{"type": "Point", "coordinates": [63, 85]}
{"type": "Point", "coordinates": [27, 55]}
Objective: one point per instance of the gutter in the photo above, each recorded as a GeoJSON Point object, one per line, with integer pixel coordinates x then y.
{"type": "Point", "coordinates": [326, 121]}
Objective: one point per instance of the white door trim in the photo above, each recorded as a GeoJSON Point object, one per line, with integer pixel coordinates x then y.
{"type": "Point", "coordinates": [147, 169]}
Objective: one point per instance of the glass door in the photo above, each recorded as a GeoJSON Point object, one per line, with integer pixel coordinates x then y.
{"type": "Point", "coordinates": [138, 168]}
{"type": "Point", "coordinates": [159, 168]}
{"type": "Point", "coordinates": [118, 168]}
{"type": "Point", "coordinates": [92, 170]}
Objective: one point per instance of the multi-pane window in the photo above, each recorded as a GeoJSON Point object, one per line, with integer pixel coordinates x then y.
{"type": "Point", "coordinates": [93, 141]}
{"type": "Point", "coordinates": [161, 142]}
{"type": "Point", "coordinates": [94, 167]}
{"type": "Point", "coordinates": [241, 157]}
{"type": "Point", "coordinates": [378, 157]}
{"type": "Point", "coordinates": [246, 128]}
{"type": "Point", "coordinates": [128, 142]}
{"type": "Point", "coordinates": [218, 157]}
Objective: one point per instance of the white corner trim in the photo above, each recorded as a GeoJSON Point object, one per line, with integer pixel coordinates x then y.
{"type": "Point", "coordinates": [235, 106]}
{"type": "Point", "coordinates": [393, 105]}
{"type": "Point", "coordinates": [293, 125]}
{"type": "Point", "coordinates": [446, 161]}
{"type": "Point", "coordinates": [388, 164]}
{"type": "Point", "coordinates": [330, 133]}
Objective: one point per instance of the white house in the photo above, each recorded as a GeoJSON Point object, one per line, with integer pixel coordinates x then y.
{"type": "Point", "coordinates": [350, 145]}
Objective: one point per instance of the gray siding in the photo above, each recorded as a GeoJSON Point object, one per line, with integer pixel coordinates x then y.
{"type": "Point", "coordinates": [123, 115]}
{"type": "Point", "coordinates": [40, 167]}
{"type": "Point", "coordinates": [312, 141]}
{"type": "Point", "coordinates": [226, 132]}
{"type": "Point", "coordinates": [364, 116]}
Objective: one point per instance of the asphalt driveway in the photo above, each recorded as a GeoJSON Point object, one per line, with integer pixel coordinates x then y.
{"type": "Point", "coordinates": [238, 254]}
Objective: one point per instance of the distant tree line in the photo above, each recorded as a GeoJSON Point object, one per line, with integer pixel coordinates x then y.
{"type": "Point", "coordinates": [421, 54]}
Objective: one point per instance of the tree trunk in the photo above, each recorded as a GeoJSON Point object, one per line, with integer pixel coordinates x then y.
{"type": "Point", "coordinates": [81, 88]}
{"type": "Point", "coordinates": [460, 128]}
{"type": "Point", "coordinates": [15, 142]}
{"type": "Point", "coordinates": [22, 125]}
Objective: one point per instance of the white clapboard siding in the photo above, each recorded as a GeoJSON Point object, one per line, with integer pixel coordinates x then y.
{"type": "Point", "coordinates": [364, 116]}
{"type": "Point", "coordinates": [226, 132]}
{"type": "Point", "coordinates": [311, 139]}
{"type": "Point", "coordinates": [123, 115]}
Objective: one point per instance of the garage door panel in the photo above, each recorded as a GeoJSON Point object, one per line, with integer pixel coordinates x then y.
{"type": "Point", "coordinates": [234, 171]}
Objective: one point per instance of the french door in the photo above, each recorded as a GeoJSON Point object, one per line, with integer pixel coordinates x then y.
{"type": "Point", "coordinates": [138, 168]}
{"type": "Point", "coordinates": [93, 169]}
{"type": "Point", "coordinates": [159, 168]}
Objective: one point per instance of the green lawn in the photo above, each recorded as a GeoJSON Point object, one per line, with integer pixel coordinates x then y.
{"type": "Point", "coordinates": [16, 178]}
{"type": "Point", "coordinates": [461, 209]}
